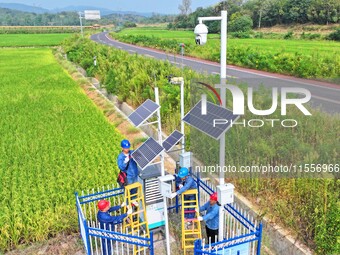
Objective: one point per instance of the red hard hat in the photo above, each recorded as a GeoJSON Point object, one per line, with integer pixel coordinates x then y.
{"type": "Point", "coordinates": [102, 204]}
{"type": "Point", "coordinates": [213, 196]}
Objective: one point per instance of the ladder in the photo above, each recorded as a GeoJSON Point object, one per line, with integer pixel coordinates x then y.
{"type": "Point", "coordinates": [192, 232]}
{"type": "Point", "coordinates": [133, 224]}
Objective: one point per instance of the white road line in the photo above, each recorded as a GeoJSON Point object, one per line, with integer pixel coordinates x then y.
{"type": "Point", "coordinates": [326, 99]}
{"type": "Point", "coordinates": [228, 76]}
{"type": "Point", "coordinates": [132, 51]}
{"type": "Point", "coordinates": [176, 63]}
{"type": "Point", "coordinates": [149, 56]}
{"type": "Point", "coordinates": [231, 68]}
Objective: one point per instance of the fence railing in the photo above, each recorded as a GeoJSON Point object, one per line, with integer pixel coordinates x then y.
{"type": "Point", "coordinates": [242, 236]}
{"type": "Point", "coordinates": [108, 241]}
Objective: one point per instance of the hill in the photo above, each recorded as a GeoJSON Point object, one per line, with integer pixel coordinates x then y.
{"type": "Point", "coordinates": [23, 8]}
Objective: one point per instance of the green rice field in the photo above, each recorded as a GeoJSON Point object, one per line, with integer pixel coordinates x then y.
{"type": "Point", "coordinates": [54, 141]}
{"type": "Point", "coordinates": [21, 40]}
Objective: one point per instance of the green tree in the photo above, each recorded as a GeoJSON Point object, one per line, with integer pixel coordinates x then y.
{"type": "Point", "coordinates": [240, 23]}
{"type": "Point", "coordinates": [324, 11]}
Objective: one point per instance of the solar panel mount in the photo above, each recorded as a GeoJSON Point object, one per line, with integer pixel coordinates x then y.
{"type": "Point", "coordinates": [147, 152]}
{"type": "Point", "coordinates": [172, 140]}
{"type": "Point", "coordinates": [205, 122]}
{"type": "Point", "coordinates": [143, 112]}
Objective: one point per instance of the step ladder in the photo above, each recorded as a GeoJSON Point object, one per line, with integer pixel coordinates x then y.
{"type": "Point", "coordinates": [193, 231]}
{"type": "Point", "coordinates": [133, 224]}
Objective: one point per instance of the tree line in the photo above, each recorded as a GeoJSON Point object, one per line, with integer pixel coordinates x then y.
{"type": "Point", "coordinates": [263, 13]}
{"type": "Point", "coordinates": [10, 17]}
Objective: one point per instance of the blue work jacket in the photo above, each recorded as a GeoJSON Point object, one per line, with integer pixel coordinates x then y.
{"type": "Point", "coordinates": [189, 183]}
{"type": "Point", "coordinates": [132, 170]}
{"type": "Point", "coordinates": [211, 218]}
{"type": "Point", "coordinates": [107, 221]}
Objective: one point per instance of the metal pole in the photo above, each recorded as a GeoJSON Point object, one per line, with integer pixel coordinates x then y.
{"type": "Point", "coordinates": [182, 100]}
{"type": "Point", "coordinates": [167, 235]}
{"type": "Point", "coordinates": [223, 98]}
{"type": "Point", "coordinates": [182, 115]}
{"type": "Point", "coordinates": [81, 24]}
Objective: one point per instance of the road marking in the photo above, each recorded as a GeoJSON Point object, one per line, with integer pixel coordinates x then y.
{"type": "Point", "coordinates": [176, 63]}
{"type": "Point", "coordinates": [326, 99]}
{"type": "Point", "coordinates": [132, 51]}
{"type": "Point", "coordinates": [228, 76]}
{"type": "Point", "coordinates": [119, 47]}
{"type": "Point", "coordinates": [149, 56]}
{"type": "Point", "coordinates": [231, 68]}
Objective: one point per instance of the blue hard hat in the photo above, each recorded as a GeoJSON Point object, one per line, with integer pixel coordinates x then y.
{"type": "Point", "coordinates": [183, 172]}
{"type": "Point", "coordinates": [125, 144]}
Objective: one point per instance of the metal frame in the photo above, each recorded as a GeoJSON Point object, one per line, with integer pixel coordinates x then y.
{"type": "Point", "coordinates": [91, 233]}
{"type": "Point", "coordinates": [240, 229]}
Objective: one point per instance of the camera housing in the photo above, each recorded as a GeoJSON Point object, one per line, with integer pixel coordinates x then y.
{"type": "Point", "coordinates": [201, 32]}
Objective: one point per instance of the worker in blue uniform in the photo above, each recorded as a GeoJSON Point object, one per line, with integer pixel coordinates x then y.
{"type": "Point", "coordinates": [127, 164]}
{"type": "Point", "coordinates": [211, 217]}
{"type": "Point", "coordinates": [185, 182]}
{"type": "Point", "coordinates": [107, 222]}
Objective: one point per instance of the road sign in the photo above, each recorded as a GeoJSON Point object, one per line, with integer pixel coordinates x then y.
{"type": "Point", "coordinates": [92, 15]}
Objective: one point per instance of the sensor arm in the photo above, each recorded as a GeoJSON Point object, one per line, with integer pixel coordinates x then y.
{"type": "Point", "coordinates": [201, 19]}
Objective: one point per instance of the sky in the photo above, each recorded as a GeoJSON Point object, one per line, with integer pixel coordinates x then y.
{"type": "Point", "coordinates": [159, 6]}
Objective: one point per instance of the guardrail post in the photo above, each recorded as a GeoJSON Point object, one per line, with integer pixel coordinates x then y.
{"type": "Point", "coordinates": [259, 242]}
{"type": "Point", "coordinates": [88, 252]}
{"type": "Point", "coordinates": [198, 188]}
{"type": "Point", "coordinates": [151, 243]}
{"type": "Point", "coordinates": [197, 247]}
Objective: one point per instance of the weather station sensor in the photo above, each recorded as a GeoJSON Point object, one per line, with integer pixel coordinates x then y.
{"type": "Point", "coordinates": [185, 159]}
{"type": "Point", "coordinates": [225, 193]}
{"type": "Point", "coordinates": [166, 184]}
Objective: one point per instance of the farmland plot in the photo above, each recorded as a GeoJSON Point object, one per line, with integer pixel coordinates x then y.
{"type": "Point", "coordinates": [54, 141]}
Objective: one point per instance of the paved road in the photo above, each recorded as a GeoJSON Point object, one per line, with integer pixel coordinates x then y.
{"type": "Point", "coordinates": [324, 95]}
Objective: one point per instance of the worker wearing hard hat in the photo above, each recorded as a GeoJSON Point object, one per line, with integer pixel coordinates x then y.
{"type": "Point", "coordinates": [186, 182]}
{"type": "Point", "coordinates": [211, 218]}
{"type": "Point", "coordinates": [108, 222]}
{"type": "Point", "coordinates": [126, 162]}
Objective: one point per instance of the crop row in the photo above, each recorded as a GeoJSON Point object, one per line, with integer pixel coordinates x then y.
{"type": "Point", "coordinates": [54, 142]}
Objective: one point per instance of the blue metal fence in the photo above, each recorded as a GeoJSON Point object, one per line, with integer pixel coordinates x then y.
{"type": "Point", "coordinates": [243, 234]}
{"type": "Point", "coordinates": [114, 240]}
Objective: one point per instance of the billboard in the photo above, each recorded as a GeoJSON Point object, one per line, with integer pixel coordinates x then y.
{"type": "Point", "coordinates": [92, 15]}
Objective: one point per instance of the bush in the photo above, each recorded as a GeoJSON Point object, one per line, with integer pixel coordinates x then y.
{"type": "Point", "coordinates": [309, 36]}
{"type": "Point", "coordinates": [130, 24]}
{"type": "Point", "coordinates": [242, 35]}
{"type": "Point", "coordinates": [241, 24]}
{"type": "Point", "coordinates": [335, 36]}
{"type": "Point", "coordinates": [289, 35]}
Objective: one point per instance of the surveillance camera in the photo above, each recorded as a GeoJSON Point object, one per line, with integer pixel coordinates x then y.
{"type": "Point", "coordinates": [201, 40]}
{"type": "Point", "coordinates": [201, 32]}
{"type": "Point", "coordinates": [169, 77]}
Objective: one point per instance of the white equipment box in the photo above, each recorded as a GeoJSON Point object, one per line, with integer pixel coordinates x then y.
{"type": "Point", "coordinates": [185, 159]}
{"type": "Point", "coordinates": [225, 194]}
{"type": "Point", "coordinates": [152, 195]}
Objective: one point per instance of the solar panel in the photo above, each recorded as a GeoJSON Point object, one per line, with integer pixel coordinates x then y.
{"type": "Point", "coordinates": [205, 123]}
{"type": "Point", "coordinates": [147, 152]}
{"type": "Point", "coordinates": [171, 141]}
{"type": "Point", "coordinates": [143, 112]}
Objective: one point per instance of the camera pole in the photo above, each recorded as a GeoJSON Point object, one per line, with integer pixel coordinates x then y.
{"type": "Point", "coordinates": [223, 75]}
